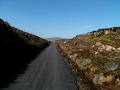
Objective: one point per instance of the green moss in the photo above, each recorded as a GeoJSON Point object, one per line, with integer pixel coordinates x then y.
{"type": "Point", "coordinates": [99, 62]}
{"type": "Point", "coordinates": [101, 59]}
{"type": "Point", "coordinates": [85, 54]}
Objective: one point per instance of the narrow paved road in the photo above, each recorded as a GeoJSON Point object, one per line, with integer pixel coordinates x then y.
{"type": "Point", "coordinates": [47, 72]}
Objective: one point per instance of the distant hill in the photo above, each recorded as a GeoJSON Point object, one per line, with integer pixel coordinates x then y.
{"type": "Point", "coordinates": [53, 38]}
{"type": "Point", "coordinates": [17, 48]}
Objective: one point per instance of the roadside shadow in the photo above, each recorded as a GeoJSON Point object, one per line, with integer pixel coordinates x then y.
{"type": "Point", "coordinates": [15, 55]}
{"type": "Point", "coordinates": [13, 63]}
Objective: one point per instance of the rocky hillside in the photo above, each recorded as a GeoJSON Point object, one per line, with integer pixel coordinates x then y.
{"type": "Point", "coordinates": [17, 48]}
{"type": "Point", "coordinates": [95, 58]}
{"type": "Point", "coordinates": [108, 36]}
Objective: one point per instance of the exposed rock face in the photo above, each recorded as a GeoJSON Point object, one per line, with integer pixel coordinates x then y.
{"type": "Point", "coordinates": [95, 57]}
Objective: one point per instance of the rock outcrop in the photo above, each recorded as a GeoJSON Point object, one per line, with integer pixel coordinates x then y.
{"type": "Point", "coordinates": [104, 31]}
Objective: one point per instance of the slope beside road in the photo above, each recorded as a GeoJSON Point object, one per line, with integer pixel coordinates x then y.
{"type": "Point", "coordinates": [47, 72]}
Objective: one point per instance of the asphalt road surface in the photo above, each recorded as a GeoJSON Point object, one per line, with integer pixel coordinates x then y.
{"type": "Point", "coordinates": [47, 72]}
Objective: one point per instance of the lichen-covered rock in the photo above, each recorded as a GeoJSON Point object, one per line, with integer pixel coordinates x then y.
{"type": "Point", "coordinates": [118, 49]}
{"type": "Point", "coordinates": [99, 79]}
